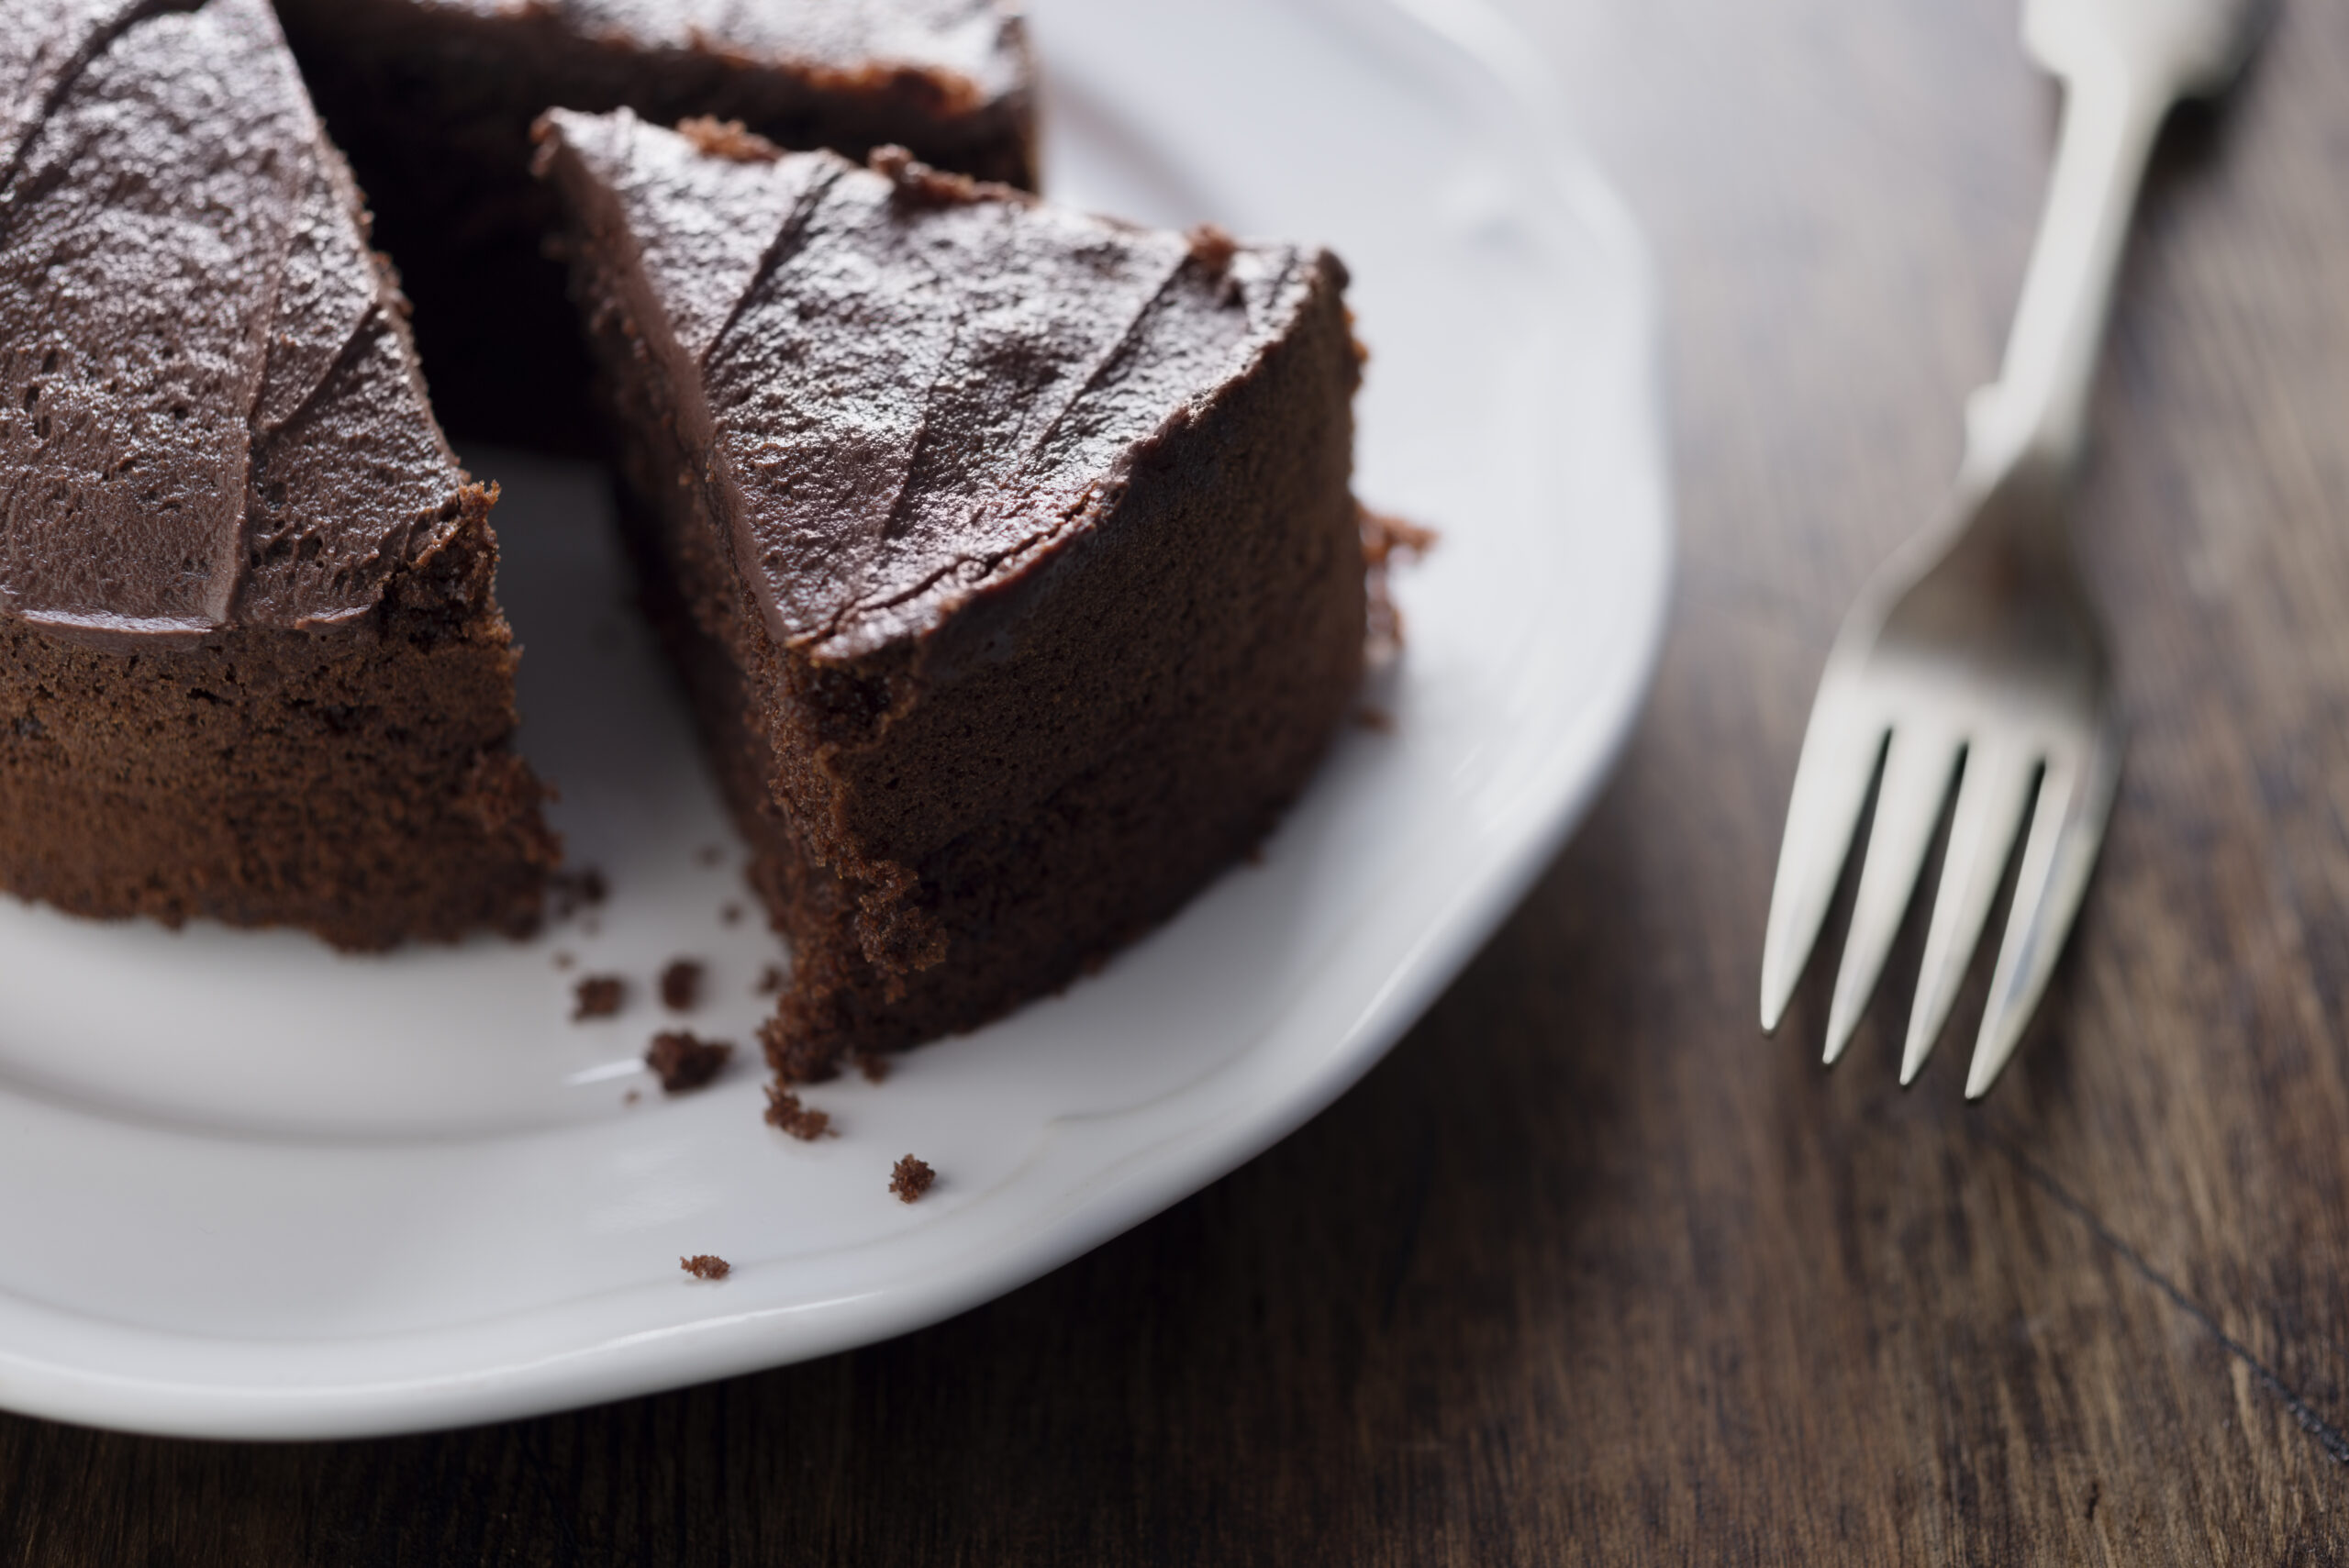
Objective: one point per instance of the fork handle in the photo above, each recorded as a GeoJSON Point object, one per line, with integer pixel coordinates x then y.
{"type": "Point", "coordinates": [2036, 412]}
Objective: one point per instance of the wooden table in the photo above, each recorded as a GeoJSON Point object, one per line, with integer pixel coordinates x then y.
{"type": "Point", "coordinates": [1587, 1270]}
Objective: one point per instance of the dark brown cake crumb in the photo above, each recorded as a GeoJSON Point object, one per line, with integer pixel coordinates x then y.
{"type": "Point", "coordinates": [1374, 718]}
{"type": "Point", "coordinates": [769, 980]}
{"type": "Point", "coordinates": [709, 855]}
{"type": "Point", "coordinates": [1383, 539]}
{"type": "Point", "coordinates": [706, 1265]}
{"type": "Point", "coordinates": [919, 181]}
{"type": "Point", "coordinates": [713, 137]}
{"type": "Point", "coordinates": [684, 1061]}
{"type": "Point", "coordinates": [910, 1179]}
{"type": "Point", "coordinates": [681, 986]}
{"type": "Point", "coordinates": [874, 1066]}
{"type": "Point", "coordinates": [1211, 248]}
{"type": "Point", "coordinates": [564, 960]}
{"type": "Point", "coordinates": [786, 1111]}
{"type": "Point", "coordinates": [631, 1096]}
{"type": "Point", "coordinates": [600, 996]}
{"type": "Point", "coordinates": [572, 891]}
{"type": "Point", "coordinates": [730, 915]}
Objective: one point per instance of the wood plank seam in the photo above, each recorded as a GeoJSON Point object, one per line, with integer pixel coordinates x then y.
{"type": "Point", "coordinates": [2329, 1437]}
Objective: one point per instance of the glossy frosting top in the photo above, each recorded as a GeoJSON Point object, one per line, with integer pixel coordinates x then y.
{"type": "Point", "coordinates": [915, 386]}
{"type": "Point", "coordinates": [208, 416]}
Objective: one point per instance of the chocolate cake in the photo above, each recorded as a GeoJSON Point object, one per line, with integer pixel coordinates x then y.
{"type": "Point", "coordinates": [249, 662]}
{"type": "Point", "coordinates": [1008, 553]}
{"type": "Point", "coordinates": [433, 100]}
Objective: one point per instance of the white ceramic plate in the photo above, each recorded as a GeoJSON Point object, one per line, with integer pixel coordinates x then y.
{"type": "Point", "coordinates": [250, 1188]}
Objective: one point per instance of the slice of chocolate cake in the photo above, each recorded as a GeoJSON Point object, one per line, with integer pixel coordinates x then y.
{"type": "Point", "coordinates": [249, 662]}
{"type": "Point", "coordinates": [433, 101]}
{"type": "Point", "coordinates": [1008, 553]}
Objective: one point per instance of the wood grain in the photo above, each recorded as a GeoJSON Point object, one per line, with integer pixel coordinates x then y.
{"type": "Point", "coordinates": [1587, 1271]}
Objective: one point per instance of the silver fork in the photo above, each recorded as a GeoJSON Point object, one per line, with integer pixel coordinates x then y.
{"type": "Point", "coordinates": [1974, 655]}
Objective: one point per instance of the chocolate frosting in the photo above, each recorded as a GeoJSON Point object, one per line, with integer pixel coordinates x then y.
{"type": "Point", "coordinates": [969, 48]}
{"type": "Point", "coordinates": [210, 415]}
{"type": "Point", "coordinates": [916, 386]}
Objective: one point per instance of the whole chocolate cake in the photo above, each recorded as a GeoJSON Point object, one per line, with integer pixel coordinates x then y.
{"type": "Point", "coordinates": [433, 101]}
{"type": "Point", "coordinates": [249, 662]}
{"type": "Point", "coordinates": [1009, 553]}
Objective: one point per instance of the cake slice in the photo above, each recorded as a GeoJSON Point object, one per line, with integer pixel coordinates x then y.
{"type": "Point", "coordinates": [433, 101]}
{"type": "Point", "coordinates": [1008, 553]}
{"type": "Point", "coordinates": [249, 662]}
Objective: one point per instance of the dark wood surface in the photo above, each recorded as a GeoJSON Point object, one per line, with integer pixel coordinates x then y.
{"type": "Point", "coordinates": [1587, 1271]}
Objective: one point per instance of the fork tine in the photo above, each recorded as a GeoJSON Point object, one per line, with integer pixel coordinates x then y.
{"type": "Point", "coordinates": [1990, 801]}
{"type": "Point", "coordinates": [1838, 757]}
{"type": "Point", "coordinates": [1908, 803]}
{"type": "Point", "coordinates": [2068, 826]}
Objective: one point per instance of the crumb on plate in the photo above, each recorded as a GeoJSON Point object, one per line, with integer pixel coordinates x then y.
{"type": "Point", "coordinates": [681, 986]}
{"type": "Point", "coordinates": [599, 996]}
{"type": "Point", "coordinates": [786, 1111]}
{"type": "Point", "coordinates": [684, 1061]}
{"type": "Point", "coordinates": [573, 891]}
{"type": "Point", "coordinates": [911, 1178]}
